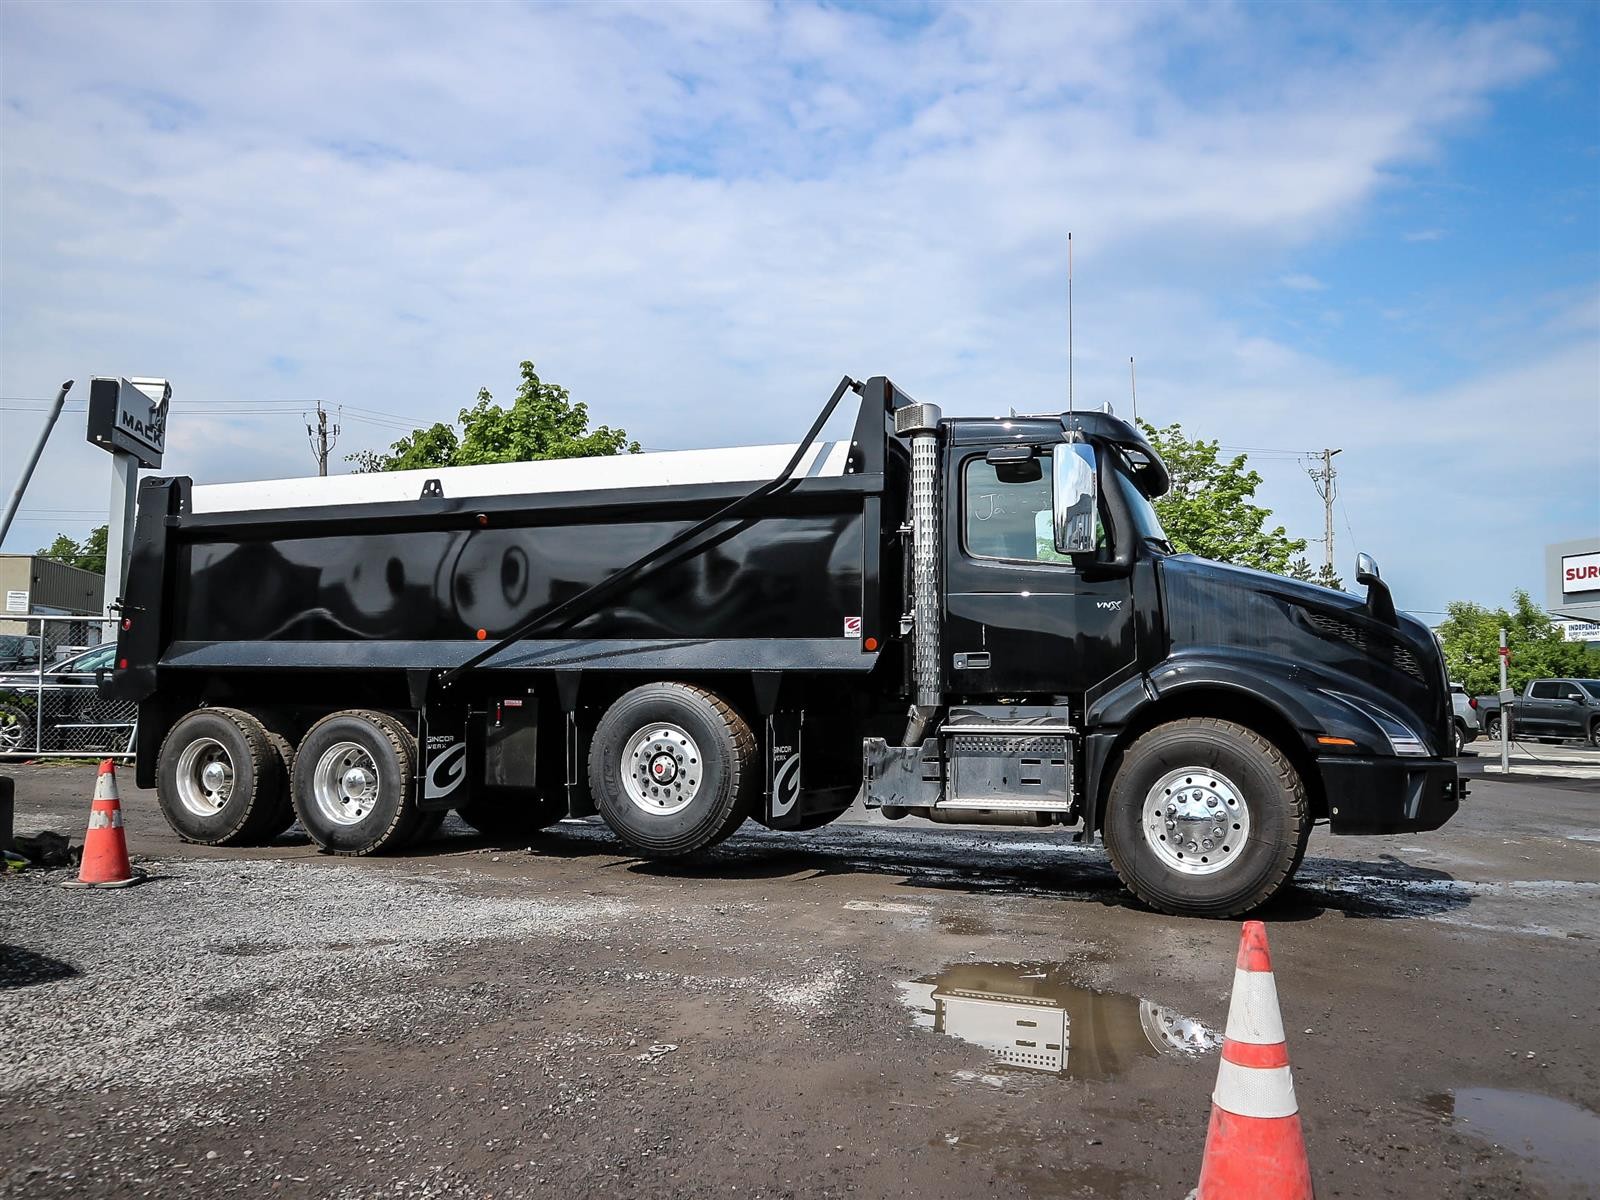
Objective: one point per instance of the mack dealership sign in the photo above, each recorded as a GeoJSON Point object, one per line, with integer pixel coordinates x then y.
{"type": "Point", "coordinates": [130, 415]}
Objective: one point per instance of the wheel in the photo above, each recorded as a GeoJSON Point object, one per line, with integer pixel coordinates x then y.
{"type": "Point", "coordinates": [670, 767]}
{"type": "Point", "coordinates": [355, 787]}
{"type": "Point", "coordinates": [1206, 818]}
{"type": "Point", "coordinates": [512, 816]}
{"type": "Point", "coordinates": [218, 779]}
{"type": "Point", "coordinates": [284, 750]}
{"type": "Point", "coordinates": [1491, 726]}
{"type": "Point", "coordinates": [1460, 740]}
{"type": "Point", "coordinates": [1594, 734]}
{"type": "Point", "coordinates": [16, 729]}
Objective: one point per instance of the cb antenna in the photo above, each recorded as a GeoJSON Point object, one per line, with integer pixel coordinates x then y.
{"type": "Point", "coordinates": [1069, 322]}
{"type": "Point", "coordinates": [1133, 386]}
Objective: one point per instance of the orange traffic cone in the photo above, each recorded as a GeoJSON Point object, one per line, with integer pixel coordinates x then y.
{"type": "Point", "coordinates": [105, 848]}
{"type": "Point", "coordinates": [1254, 1148]}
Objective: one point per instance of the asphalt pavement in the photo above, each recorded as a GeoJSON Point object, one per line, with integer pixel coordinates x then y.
{"type": "Point", "coordinates": [801, 1015]}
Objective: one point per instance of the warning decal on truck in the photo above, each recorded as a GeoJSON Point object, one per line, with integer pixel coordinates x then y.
{"type": "Point", "coordinates": [852, 627]}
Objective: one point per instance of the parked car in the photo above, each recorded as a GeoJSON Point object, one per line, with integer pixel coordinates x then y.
{"type": "Point", "coordinates": [18, 651]}
{"type": "Point", "coordinates": [63, 703]}
{"type": "Point", "coordinates": [1550, 710]}
{"type": "Point", "coordinates": [1465, 710]}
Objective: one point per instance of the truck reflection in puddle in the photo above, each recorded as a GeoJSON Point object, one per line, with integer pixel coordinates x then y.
{"type": "Point", "coordinates": [1032, 1016]}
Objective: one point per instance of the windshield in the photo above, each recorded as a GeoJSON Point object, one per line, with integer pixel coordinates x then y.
{"type": "Point", "coordinates": [1592, 686]}
{"type": "Point", "coordinates": [1145, 522]}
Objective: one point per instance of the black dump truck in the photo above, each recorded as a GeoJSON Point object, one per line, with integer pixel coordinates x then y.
{"type": "Point", "coordinates": [971, 620]}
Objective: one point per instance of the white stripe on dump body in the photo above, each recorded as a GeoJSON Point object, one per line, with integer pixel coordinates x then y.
{"type": "Point", "coordinates": [666, 468]}
{"type": "Point", "coordinates": [1253, 1016]}
{"type": "Point", "coordinates": [1255, 1091]}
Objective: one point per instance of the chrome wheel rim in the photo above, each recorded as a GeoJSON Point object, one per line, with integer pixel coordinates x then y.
{"type": "Point", "coordinates": [1195, 820]}
{"type": "Point", "coordinates": [11, 732]}
{"type": "Point", "coordinates": [205, 777]}
{"type": "Point", "coordinates": [661, 769]}
{"type": "Point", "coordinates": [345, 783]}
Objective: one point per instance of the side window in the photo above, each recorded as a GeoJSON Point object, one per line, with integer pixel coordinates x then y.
{"type": "Point", "coordinates": [1006, 515]}
{"type": "Point", "coordinates": [1546, 691]}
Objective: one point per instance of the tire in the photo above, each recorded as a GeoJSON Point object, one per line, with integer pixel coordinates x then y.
{"type": "Point", "coordinates": [1460, 741]}
{"type": "Point", "coordinates": [1192, 763]}
{"type": "Point", "coordinates": [700, 750]}
{"type": "Point", "coordinates": [16, 729]}
{"type": "Point", "coordinates": [284, 750]}
{"type": "Point", "coordinates": [512, 816]}
{"type": "Point", "coordinates": [357, 816]}
{"type": "Point", "coordinates": [1491, 727]}
{"type": "Point", "coordinates": [218, 780]}
{"type": "Point", "coordinates": [1594, 734]}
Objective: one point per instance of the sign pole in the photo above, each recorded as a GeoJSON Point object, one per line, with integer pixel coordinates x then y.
{"type": "Point", "coordinates": [119, 531]}
{"type": "Point", "coordinates": [1505, 708]}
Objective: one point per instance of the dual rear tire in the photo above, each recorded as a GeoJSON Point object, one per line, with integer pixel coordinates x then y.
{"type": "Point", "coordinates": [224, 779]}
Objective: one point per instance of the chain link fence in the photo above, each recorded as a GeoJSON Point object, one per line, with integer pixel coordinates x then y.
{"type": "Point", "coordinates": [50, 702]}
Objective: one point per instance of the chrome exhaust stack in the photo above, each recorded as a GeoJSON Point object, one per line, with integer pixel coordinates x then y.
{"type": "Point", "coordinates": [920, 422]}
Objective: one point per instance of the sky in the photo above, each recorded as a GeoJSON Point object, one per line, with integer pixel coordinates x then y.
{"type": "Point", "coordinates": [1366, 227]}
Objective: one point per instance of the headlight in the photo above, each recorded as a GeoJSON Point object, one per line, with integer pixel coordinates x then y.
{"type": "Point", "coordinates": [1403, 740]}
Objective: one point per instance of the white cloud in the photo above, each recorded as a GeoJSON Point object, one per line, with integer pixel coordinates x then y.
{"type": "Point", "coordinates": [697, 217]}
{"type": "Point", "coordinates": [1302, 283]}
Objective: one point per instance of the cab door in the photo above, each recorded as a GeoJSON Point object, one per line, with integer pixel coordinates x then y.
{"type": "Point", "coordinates": [1021, 620]}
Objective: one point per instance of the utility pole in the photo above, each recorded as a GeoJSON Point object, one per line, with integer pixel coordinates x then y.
{"type": "Point", "coordinates": [1326, 480]}
{"type": "Point", "coordinates": [323, 437]}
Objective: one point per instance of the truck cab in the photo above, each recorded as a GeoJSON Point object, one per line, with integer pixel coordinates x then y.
{"type": "Point", "coordinates": [1201, 716]}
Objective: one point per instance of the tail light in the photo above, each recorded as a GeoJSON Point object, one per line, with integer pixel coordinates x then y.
{"type": "Point", "coordinates": [1472, 703]}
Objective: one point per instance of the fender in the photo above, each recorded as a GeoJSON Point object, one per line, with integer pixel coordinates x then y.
{"type": "Point", "coordinates": [1290, 690]}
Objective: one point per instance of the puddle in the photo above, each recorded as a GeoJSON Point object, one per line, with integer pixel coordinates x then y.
{"type": "Point", "coordinates": [1034, 1017]}
{"type": "Point", "coordinates": [1561, 1138]}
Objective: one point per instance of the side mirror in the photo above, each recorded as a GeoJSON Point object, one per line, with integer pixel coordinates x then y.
{"type": "Point", "coordinates": [1379, 602]}
{"type": "Point", "coordinates": [1076, 489]}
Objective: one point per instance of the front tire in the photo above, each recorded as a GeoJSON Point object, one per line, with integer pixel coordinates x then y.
{"type": "Point", "coordinates": [218, 779]}
{"type": "Point", "coordinates": [670, 768]}
{"type": "Point", "coordinates": [355, 787]}
{"type": "Point", "coordinates": [1206, 818]}
{"type": "Point", "coordinates": [1594, 734]}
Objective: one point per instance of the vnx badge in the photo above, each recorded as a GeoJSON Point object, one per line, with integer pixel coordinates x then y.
{"type": "Point", "coordinates": [1111, 604]}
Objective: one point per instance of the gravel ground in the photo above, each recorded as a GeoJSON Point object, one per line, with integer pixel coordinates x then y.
{"type": "Point", "coordinates": [564, 1020]}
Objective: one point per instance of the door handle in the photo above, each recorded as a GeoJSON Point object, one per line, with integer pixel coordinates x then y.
{"type": "Point", "coordinates": [972, 660]}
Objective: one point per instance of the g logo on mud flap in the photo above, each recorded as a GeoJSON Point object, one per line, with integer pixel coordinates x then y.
{"type": "Point", "coordinates": [446, 770]}
{"type": "Point", "coordinates": [785, 783]}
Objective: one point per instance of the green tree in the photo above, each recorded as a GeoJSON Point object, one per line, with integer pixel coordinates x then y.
{"type": "Point", "coordinates": [1470, 635]}
{"type": "Point", "coordinates": [90, 554]}
{"type": "Point", "coordinates": [1208, 510]}
{"type": "Point", "coordinates": [543, 422]}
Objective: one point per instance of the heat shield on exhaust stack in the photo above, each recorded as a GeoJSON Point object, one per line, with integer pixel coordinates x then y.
{"type": "Point", "coordinates": [921, 423]}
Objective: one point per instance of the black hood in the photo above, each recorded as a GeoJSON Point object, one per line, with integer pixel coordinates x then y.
{"type": "Point", "coordinates": [1329, 636]}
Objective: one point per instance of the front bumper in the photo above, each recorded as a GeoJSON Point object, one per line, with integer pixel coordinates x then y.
{"type": "Point", "coordinates": [1390, 795]}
